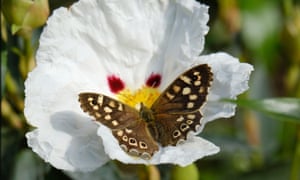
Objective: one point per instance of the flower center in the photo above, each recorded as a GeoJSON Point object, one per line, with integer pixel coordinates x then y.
{"type": "Point", "coordinates": [145, 95]}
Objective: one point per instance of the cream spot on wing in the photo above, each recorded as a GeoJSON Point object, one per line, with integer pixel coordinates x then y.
{"type": "Point", "coordinates": [114, 122]}
{"type": "Point", "coordinates": [185, 79]}
{"type": "Point", "coordinates": [143, 145]}
{"type": "Point", "coordinates": [169, 95]}
{"type": "Point", "coordinates": [96, 107]}
{"type": "Point", "coordinates": [176, 88]}
{"type": "Point", "coordinates": [190, 105]}
{"type": "Point", "coordinates": [197, 83]}
{"type": "Point", "coordinates": [107, 117]}
{"type": "Point", "coordinates": [107, 109]}
{"type": "Point", "coordinates": [128, 131]}
{"type": "Point", "coordinates": [125, 138]}
{"type": "Point", "coordinates": [100, 100]}
{"type": "Point", "coordinates": [181, 118]}
{"type": "Point", "coordinates": [201, 90]}
{"type": "Point", "coordinates": [196, 73]}
{"type": "Point", "coordinates": [186, 91]}
{"type": "Point", "coordinates": [191, 116]}
{"type": "Point", "coordinates": [132, 141]}
{"type": "Point", "coordinates": [193, 97]}
{"type": "Point", "coordinates": [176, 133]}
{"type": "Point", "coordinates": [112, 104]}
{"type": "Point", "coordinates": [120, 132]}
{"type": "Point", "coordinates": [133, 152]}
{"type": "Point", "coordinates": [184, 127]}
{"type": "Point", "coordinates": [120, 107]}
{"type": "Point", "coordinates": [124, 147]}
{"type": "Point", "coordinates": [189, 122]}
{"type": "Point", "coordinates": [97, 114]}
{"type": "Point", "coordinates": [145, 156]}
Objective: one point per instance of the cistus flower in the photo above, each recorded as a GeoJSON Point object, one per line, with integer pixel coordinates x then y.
{"type": "Point", "coordinates": [130, 51]}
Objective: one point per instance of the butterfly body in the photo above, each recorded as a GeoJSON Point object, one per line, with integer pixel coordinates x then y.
{"type": "Point", "coordinates": [167, 122]}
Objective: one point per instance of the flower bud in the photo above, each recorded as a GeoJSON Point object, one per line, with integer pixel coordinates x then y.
{"type": "Point", "coordinates": [25, 15]}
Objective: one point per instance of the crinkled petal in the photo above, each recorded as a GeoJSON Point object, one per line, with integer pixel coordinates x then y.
{"type": "Point", "coordinates": [191, 150]}
{"type": "Point", "coordinates": [230, 79]}
{"type": "Point", "coordinates": [126, 37]}
{"type": "Point", "coordinates": [70, 143]}
{"type": "Point", "coordinates": [184, 39]}
{"type": "Point", "coordinates": [51, 99]}
{"type": "Point", "coordinates": [52, 89]}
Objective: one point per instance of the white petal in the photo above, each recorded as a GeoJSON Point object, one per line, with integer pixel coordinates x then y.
{"type": "Point", "coordinates": [53, 88]}
{"type": "Point", "coordinates": [51, 99]}
{"type": "Point", "coordinates": [191, 150]}
{"type": "Point", "coordinates": [184, 39]}
{"type": "Point", "coordinates": [186, 153]}
{"type": "Point", "coordinates": [229, 80]}
{"type": "Point", "coordinates": [70, 143]}
{"type": "Point", "coordinates": [125, 37]}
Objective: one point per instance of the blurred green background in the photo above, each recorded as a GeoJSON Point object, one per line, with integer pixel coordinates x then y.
{"type": "Point", "coordinates": [261, 142]}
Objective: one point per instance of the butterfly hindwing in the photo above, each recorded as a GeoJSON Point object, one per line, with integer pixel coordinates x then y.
{"type": "Point", "coordinates": [136, 140]}
{"type": "Point", "coordinates": [177, 126]}
{"type": "Point", "coordinates": [176, 107]}
{"type": "Point", "coordinates": [125, 122]}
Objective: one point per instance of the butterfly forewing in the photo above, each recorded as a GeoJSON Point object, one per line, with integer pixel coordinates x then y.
{"type": "Point", "coordinates": [125, 122]}
{"type": "Point", "coordinates": [107, 111]}
{"type": "Point", "coordinates": [176, 111]}
{"type": "Point", "coordinates": [186, 93]}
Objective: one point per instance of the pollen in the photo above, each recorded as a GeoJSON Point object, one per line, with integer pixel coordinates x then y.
{"type": "Point", "coordinates": [146, 95]}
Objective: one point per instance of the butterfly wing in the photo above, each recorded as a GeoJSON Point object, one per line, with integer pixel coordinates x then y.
{"type": "Point", "coordinates": [125, 122]}
{"type": "Point", "coordinates": [176, 111]}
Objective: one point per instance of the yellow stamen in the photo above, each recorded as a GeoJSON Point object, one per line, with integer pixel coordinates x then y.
{"type": "Point", "coordinates": [145, 95]}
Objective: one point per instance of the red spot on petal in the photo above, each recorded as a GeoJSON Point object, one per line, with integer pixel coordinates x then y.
{"type": "Point", "coordinates": [115, 84]}
{"type": "Point", "coordinates": [154, 80]}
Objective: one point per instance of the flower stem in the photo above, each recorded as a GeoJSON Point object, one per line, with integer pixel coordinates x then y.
{"type": "Point", "coordinates": [153, 172]}
{"type": "Point", "coordinates": [27, 58]}
{"type": "Point", "coordinates": [295, 174]}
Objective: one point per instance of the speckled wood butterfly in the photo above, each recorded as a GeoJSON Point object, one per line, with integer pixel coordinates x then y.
{"type": "Point", "coordinates": [174, 113]}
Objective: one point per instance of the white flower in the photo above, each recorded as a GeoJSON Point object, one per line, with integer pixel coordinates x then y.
{"type": "Point", "coordinates": [110, 47]}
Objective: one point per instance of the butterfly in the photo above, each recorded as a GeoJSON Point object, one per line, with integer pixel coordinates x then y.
{"type": "Point", "coordinates": [167, 122]}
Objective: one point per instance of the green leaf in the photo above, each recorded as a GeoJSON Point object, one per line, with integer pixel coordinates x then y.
{"type": "Point", "coordinates": [29, 166]}
{"type": "Point", "coordinates": [15, 28]}
{"type": "Point", "coordinates": [287, 109]}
